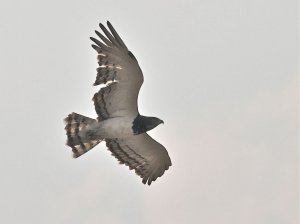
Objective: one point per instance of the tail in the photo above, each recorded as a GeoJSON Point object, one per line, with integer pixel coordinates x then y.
{"type": "Point", "coordinates": [74, 124]}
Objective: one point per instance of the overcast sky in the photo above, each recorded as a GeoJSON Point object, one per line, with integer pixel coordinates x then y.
{"type": "Point", "coordinates": [223, 75]}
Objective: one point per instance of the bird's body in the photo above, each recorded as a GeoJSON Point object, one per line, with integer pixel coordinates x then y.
{"type": "Point", "coordinates": [119, 122]}
{"type": "Point", "coordinates": [116, 127]}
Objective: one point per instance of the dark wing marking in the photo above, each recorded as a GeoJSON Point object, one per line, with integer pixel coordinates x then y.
{"type": "Point", "coordinates": [100, 101]}
{"type": "Point", "coordinates": [142, 153]}
{"type": "Point", "coordinates": [116, 64]}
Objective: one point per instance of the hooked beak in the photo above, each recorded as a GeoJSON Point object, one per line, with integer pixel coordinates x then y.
{"type": "Point", "coordinates": [162, 122]}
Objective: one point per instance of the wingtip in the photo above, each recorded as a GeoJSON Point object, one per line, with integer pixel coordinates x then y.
{"type": "Point", "coordinates": [96, 48]}
{"type": "Point", "coordinates": [94, 40]}
{"type": "Point", "coordinates": [109, 25]}
{"type": "Point", "coordinates": [101, 25]}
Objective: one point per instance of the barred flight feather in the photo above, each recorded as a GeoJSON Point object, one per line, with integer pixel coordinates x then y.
{"type": "Point", "coordinates": [100, 99]}
{"type": "Point", "coordinates": [104, 74]}
{"type": "Point", "coordinates": [133, 160]}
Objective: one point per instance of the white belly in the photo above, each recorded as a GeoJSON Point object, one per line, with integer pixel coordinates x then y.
{"type": "Point", "coordinates": [118, 127]}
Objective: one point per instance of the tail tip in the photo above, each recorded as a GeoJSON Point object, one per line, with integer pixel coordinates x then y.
{"type": "Point", "coordinates": [67, 119]}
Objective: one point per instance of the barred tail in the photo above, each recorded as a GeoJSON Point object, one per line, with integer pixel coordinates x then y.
{"type": "Point", "coordinates": [74, 124]}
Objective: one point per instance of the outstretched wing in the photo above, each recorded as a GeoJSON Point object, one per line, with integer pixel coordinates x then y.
{"type": "Point", "coordinates": [142, 153]}
{"type": "Point", "coordinates": [118, 66]}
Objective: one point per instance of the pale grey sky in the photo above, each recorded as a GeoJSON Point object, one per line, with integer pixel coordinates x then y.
{"type": "Point", "coordinates": [223, 75]}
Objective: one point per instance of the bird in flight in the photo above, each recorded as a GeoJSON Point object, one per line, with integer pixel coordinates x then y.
{"type": "Point", "coordinates": [119, 123]}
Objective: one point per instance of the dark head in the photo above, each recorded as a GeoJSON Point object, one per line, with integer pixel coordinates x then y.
{"type": "Point", "coordinates": [142, 124]}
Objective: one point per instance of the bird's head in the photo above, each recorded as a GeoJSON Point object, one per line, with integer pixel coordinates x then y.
{"type": "Point", "coordinates": [152, 122]}
{"type": "Point", "coordinates": [143, 124]}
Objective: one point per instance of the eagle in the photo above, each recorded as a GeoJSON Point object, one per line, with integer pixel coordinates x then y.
{"type": "Point", "coordinates": [119, 122]}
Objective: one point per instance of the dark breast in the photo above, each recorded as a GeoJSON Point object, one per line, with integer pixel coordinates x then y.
{"type": "Point", "coordinates": [139, 125]}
